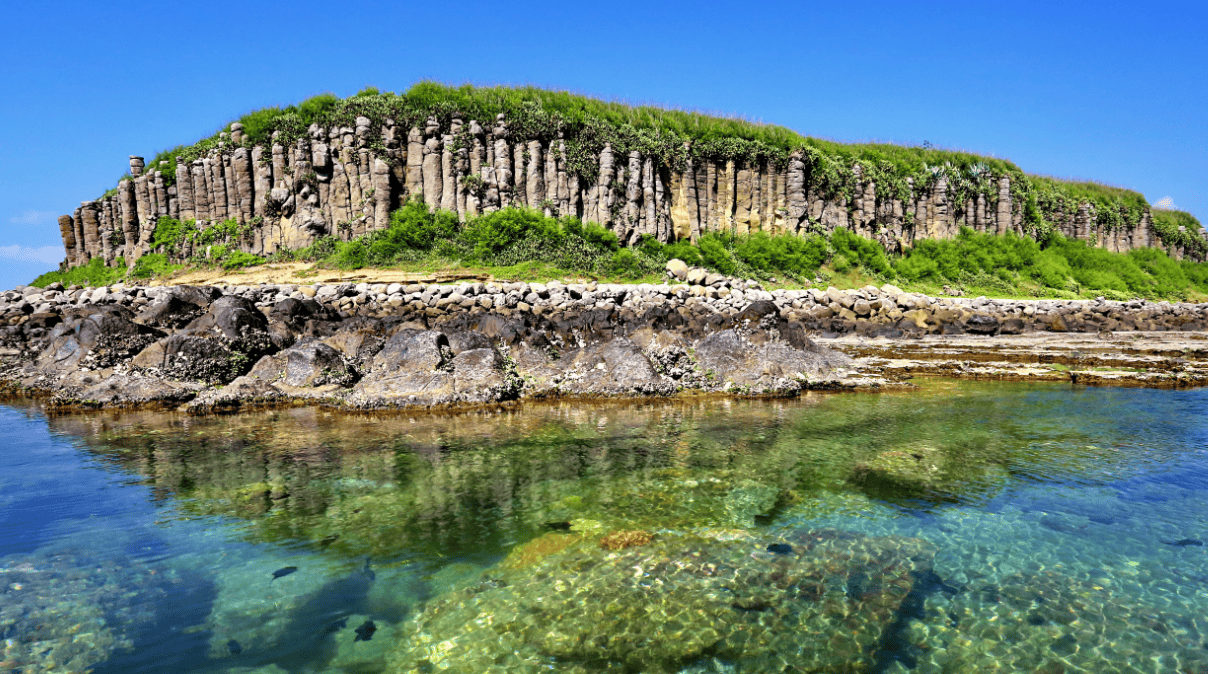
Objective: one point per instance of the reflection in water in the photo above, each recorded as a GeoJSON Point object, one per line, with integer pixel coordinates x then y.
{"type": "Point", "coordinates": [1042, 510]}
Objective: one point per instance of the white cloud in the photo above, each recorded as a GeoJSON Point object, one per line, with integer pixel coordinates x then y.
{"type": "Point", "coordinates": [35, 218]}
{"type": "Point", "coordinates": [46, 255]}
{"type": "Point", "coordinates": [1167, 203]}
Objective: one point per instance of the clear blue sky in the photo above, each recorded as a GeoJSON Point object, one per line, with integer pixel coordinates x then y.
{"type": "Point", "coordinates": [1110, 91]}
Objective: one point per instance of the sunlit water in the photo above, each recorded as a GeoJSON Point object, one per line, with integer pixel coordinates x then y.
{"type": "Point", "coordinates": [1063, 531]}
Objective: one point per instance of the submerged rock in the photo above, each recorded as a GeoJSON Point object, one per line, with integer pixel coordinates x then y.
{"type": "Point", "coordinates": [823, 606]}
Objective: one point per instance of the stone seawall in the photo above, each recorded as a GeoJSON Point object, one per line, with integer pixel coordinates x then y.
{"type": "Point", "coordinates": [345, 181]}
{"type": "Point", "coordinates": [430, 346]}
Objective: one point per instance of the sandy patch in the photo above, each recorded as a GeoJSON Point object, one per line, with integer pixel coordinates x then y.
{"type": "Point", "coordinates": [304, 273]}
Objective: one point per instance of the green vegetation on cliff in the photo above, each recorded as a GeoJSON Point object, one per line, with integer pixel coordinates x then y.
{"type": "Point", "coordinates": [525, 244]}
{"type": "Point", "coordinates": [672, 137]}
{"type": "Point", "coordinates": [973, 262]}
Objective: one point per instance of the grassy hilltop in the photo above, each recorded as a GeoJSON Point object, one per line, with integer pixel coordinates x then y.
{"type": "Point", "coordinates": [523, 244]}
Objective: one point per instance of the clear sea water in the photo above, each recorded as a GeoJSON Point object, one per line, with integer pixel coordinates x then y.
{"type": "Point", "coordinates": [1067, 525]}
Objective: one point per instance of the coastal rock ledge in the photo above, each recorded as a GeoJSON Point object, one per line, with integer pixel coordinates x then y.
{"type": "Point", "coordinates": [386, 346]}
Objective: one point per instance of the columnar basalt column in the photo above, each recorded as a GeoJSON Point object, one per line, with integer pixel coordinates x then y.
{"type": "Point", "coordinates": [103, 233]}
{"type": "Point", "coordinates": [338, 199]}
{"type": "Point", "coordinates": [414, 184]}
{"type": "Point", "coordinates": [574, 189]}
{"type": "Point", "coordinates": [604, 191]}
{"type": "Point", "coordinates": [650, 201]}
{"type": "Point", "coordinates": [662, 205]}
{"type": "Point", "coordinates": [217, 196]}
{"type": "Point", "coordinates": [448, 191]}
{"type": "Point", "coordinates": [743, 200]}
{"type": "Point", "coordinates": [127, 212]}
{"type": "Point", "coordinates": [519, 179]}
{"type": "Point", "coordinates": [184, 190]}
{"type": "Point", "coordinates": [67, 232]}
{"type": "Point", "coordinates": [433, 185]}
{"type": "Point", "coordinates": [201, 192]}
{"type": "Point", "coordinates": [1002, 210]}
{"type": "Point", "coordinates": [159, 192]}
{"type": "Point", "coordinates": [764, 182]}
{"type": "Point", "coordinates": [146, 193]}
{"type": "Point", "coordinates": [555, 176]}
{"type": "Point", "coordinates": [691, 198]}
{"type": "Point", "coordinates": [534, 175]}
{"type": "Point", "coordinates": [940, 218]}
{"type": "Point", "coordinates": [262, 171]}
{"type": "Point", "coordinates": [626, 228]}
{"type": "Point", "coordinates": [795, 208]}
{"type": "Point", "coordinates": [231, 185]}
{"type": "Point", "coordinates": [91, 229]}
{"type": "Point", "coordinates": [382, 194]}
{"type": "Point", "coordinates": [500, 193]}
{"type": "Point", "coordinates": [241, 166]}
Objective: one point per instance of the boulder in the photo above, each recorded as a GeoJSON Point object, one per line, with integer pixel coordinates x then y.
{"type": "Point", "coordinates": [812, 601]}
{"type": "Point", "coordinates": [773, 365]}
{"type": "Point", "coordinates": [419, 367]}
{"type": "Point", "coordinates": [677, 268]}
{"type": "Point", "coordinates": [316, 364]}
{"type": "Point", "coordinates": [96, 338]}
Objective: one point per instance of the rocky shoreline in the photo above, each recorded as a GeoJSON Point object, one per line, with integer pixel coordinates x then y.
{"type": "Point", "coordinates": [424, 346]}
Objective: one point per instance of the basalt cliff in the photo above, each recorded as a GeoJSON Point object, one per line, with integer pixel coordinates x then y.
{"type": "Point", "coordinates": [285, 182]}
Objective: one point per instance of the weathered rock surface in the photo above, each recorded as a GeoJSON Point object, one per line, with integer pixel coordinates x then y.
{"type": "Point", "coordinates": [416, 345]}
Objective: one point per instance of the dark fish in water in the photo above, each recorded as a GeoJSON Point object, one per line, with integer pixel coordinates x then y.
{"type": "Point", "coordinates": [365, 631]}
{"type": "Point", "coordinates": [369, 573]}
{"type": "Point", "coordinates": [1184, 542]}
{"type": "Point", "coordinates": [234, 647]}
{"type": "Point", "coordinates": [336, 626]}
{"type": "Point", "coordinates": [558, 526]}
{"type": "Point", "coordinates": [780, 548]}
{"type": "Point", "coordinates": [284, 571]}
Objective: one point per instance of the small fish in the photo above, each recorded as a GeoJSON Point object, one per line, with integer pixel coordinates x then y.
{"type": "Point", "coordinates": [328, 541]}
{"type": "Point", "coordinates": [283, 571]}
{"type": "Point", "coordinates": [336, 626]}
{"type": "Point", "coordinates": [558, 526]}
{"type": "Point", "coordinates": [1184, 542]}
{"type": "Point", "coordinates": [234, 647]}
{"type": "Point", "coordinates": [780, 548]}
{"type": "Point", "coordinates": [368, 572]}
{"type": "Point", "coordinates": [365, 631]}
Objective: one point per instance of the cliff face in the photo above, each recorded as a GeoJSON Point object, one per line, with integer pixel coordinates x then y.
{"type": "Point", "coordinates": [345, 181]}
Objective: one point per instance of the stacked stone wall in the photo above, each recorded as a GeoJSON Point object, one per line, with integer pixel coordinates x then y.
{"type": "Point", "coordinates": [342, 182]}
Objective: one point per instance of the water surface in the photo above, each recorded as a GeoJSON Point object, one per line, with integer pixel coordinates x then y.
{"type": "Point", "coordinates": [1030, 528]}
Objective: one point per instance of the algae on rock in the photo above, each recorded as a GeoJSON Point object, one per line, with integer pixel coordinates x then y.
{"type": "Point", "coordinates": [674, 600]}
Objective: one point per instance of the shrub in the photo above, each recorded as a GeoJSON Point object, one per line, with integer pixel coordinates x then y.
{"type": "Point", "coordinates": [714, 254]}
{"type": "Point", "coordinates": [489, 234]}
{"type": "Point", "coordinates": [869, 253]}
{"type": "Point", "coordinates": [784, 253]}
{"type": "Point", "coordinates": [152, 265]}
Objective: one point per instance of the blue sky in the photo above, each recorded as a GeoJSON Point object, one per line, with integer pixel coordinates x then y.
{"type": "Point", "coordinates": [1107, 91]}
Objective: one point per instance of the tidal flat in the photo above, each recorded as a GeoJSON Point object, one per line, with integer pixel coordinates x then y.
{"type": "Point", "coordinates": [957, 526]}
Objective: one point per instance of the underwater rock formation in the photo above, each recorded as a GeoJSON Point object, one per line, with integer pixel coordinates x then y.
{"type": "Point", "coordinates": [676, 600]}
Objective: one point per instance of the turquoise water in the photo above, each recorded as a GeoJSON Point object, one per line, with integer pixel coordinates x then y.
{"type": "Point", "coordinates": [961, 527]}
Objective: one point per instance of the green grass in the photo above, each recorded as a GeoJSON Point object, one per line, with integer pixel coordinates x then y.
{"type": "Point", "coordinates": [95, 273]}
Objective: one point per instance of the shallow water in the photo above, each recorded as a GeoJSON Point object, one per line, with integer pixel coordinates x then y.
{"type": "Point", "coordinates": [1049, 517]}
